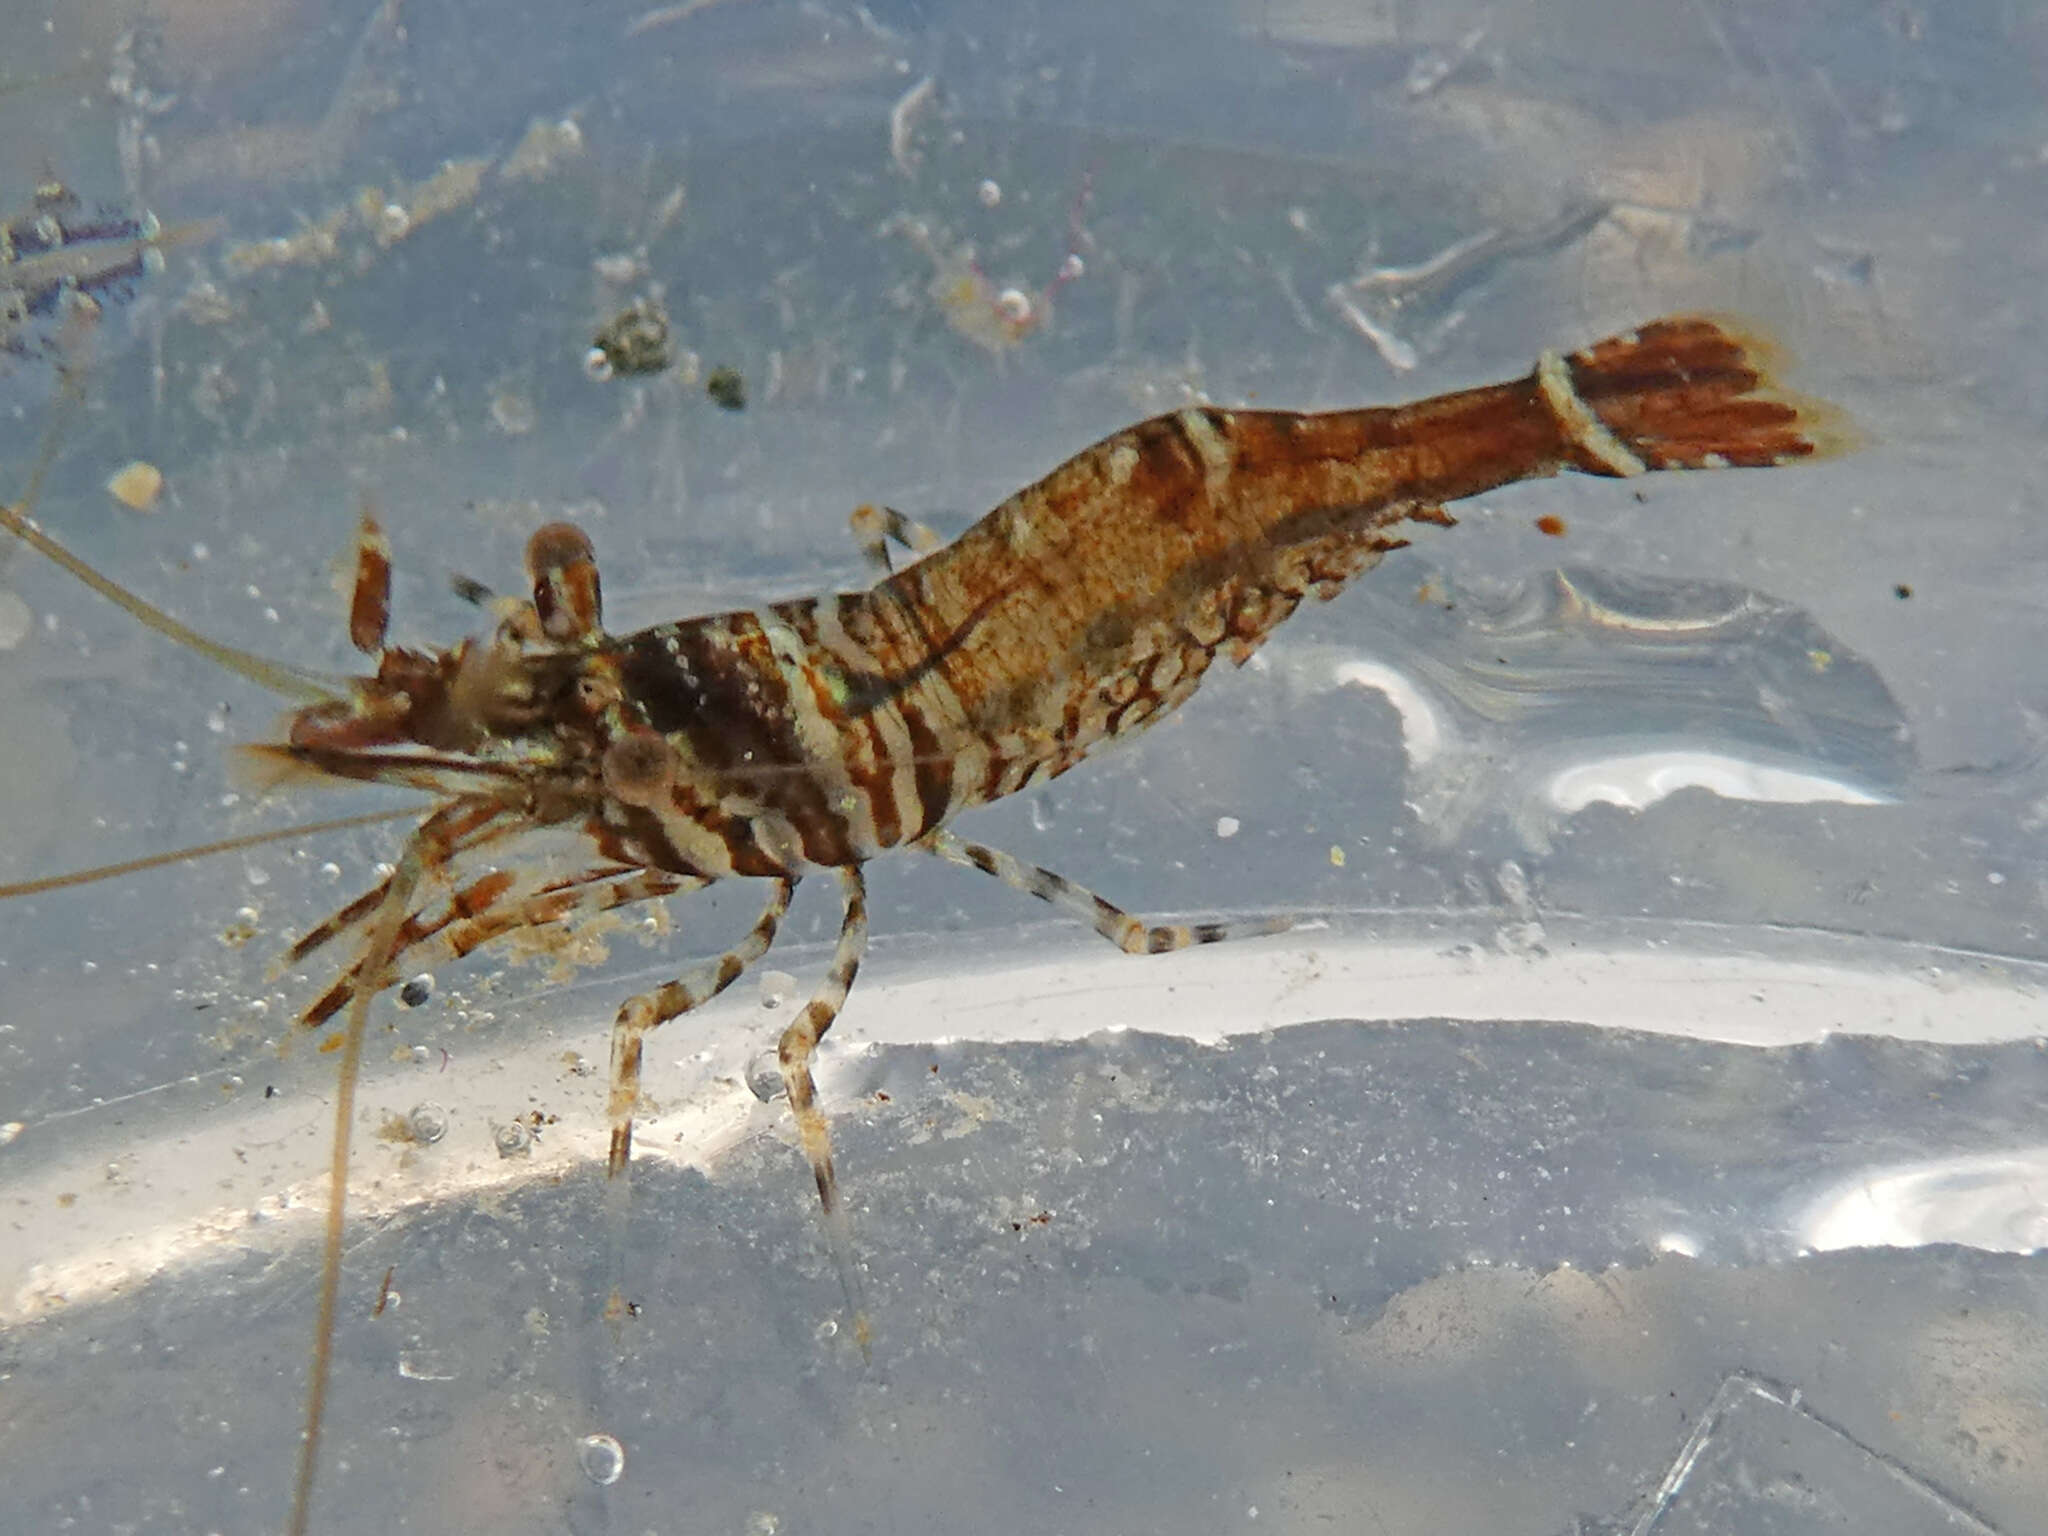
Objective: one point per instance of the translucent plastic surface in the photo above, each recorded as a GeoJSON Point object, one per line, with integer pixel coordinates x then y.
{"type": "Point", "coordinates": [1643, 1131]}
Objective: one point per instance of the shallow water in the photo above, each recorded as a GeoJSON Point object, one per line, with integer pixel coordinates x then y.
{"type": "Point", "coordinates": [1753, 759]}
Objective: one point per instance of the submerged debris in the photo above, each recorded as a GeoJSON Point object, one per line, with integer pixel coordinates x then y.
{"type": "Point", "coordinates": [56, 257]}
{"type": "Point", "coordinates": [727, 388]}
{"type": "Point", "coordinates": [633, 341]}
{"type": "Point", "coordinates": [136, 486]}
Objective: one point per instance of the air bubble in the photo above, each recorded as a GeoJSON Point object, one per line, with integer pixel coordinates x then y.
{"type": "Point", "coordinates": [776, 988]}
{"type": "Point", "coordinates": [602, 1459]}
{"type": "Point", "coordinates": [1014, 306]}
{"type": "Point", "coordinates": [764, 1077]}
{"type": "Point", "coordinates": [428, 1123]}
{"type": "Point", "coordinates": [990, 193]}
{"type": "Point", "coordinates": [512, 1139]}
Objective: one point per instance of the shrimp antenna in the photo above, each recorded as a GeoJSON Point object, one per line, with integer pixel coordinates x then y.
{"type": "Point", "coordinates": [199, 851]}
{"type": "Point", "coordinates": [288, 682]}
{"type": "Point", "coordinates": [380, 948]}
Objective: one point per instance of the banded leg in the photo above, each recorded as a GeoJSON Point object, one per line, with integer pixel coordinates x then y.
{"type": "Point", "coordinates": [457, 829]}
{"type": "Point", "coordinates": [650, 1010]}
{"type": "Point", "coordinates": [798, 1045]}
{"type": "Point", "coordinates": [472, 919]}
{"type": "Point", "coordinates": [587, 895]}
{"type": "Point", "coordinates": [1127, 933]}
{"type": "Point", "coordinates": [637, 1016]}
{"type": "Point", "coordinates": [874, 526]}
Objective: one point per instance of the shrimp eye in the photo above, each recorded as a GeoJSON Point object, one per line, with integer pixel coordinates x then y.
{"type": "Point", "coordinates": [638, 769]}
{"type": "Point", "coordinates": [595, 693]}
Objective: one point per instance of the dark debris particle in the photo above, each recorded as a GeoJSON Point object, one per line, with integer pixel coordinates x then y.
{"type": "Point", "coordinates": [1902, 591]}
{"type": "Point", "coordinates": [416, 991]}
{"type": "Point", "coordinates": [727, 388]}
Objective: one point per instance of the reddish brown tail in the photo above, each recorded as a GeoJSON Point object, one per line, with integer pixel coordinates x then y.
{"type": "Point", "coordinates": [1689, 392]}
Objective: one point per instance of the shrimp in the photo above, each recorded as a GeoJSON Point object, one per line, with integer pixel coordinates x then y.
{"type": "Point", "coordinates": [814, 735]}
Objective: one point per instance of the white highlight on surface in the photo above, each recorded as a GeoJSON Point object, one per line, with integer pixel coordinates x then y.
{"type": "Point", "coordinates": [1639, 780]}
{"type": "Point", "coordinates": [1994, 1201]}
{"type": "Point", "coordinates": [1422, 733]}
{"type": "Point", "coordinates": [1395, 351]}
{"type": "Point", "coordinates": [248, 1175]}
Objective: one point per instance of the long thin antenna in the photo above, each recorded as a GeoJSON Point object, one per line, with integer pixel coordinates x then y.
{"type": "Point", "coordinates": [199, 851]}
{"type": "Point", "coordinates": [378, 951]}
{"type": "Point", "coordinates": [288, 682]}
{"type": "Point", "coordinates": [75, 336]}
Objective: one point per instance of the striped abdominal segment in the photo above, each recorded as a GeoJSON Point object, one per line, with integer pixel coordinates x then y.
{"type": "Point", "coordinates": [788, 754]}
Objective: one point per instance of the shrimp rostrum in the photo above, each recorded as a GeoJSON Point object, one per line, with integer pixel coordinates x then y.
{"type": "Point", "coordinates": [816, 734]}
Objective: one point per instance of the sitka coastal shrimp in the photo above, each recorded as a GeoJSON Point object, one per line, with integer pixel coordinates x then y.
{"type": "Point", "coordinates": [817, 734]}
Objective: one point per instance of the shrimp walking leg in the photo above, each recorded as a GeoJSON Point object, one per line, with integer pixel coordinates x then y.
{"type": "Point", "coordinates": [692, 989]}
{"type": "Point", "coordinates": [798, 1045]}
{"type": "Point", "coordinates": [1130, 934]}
